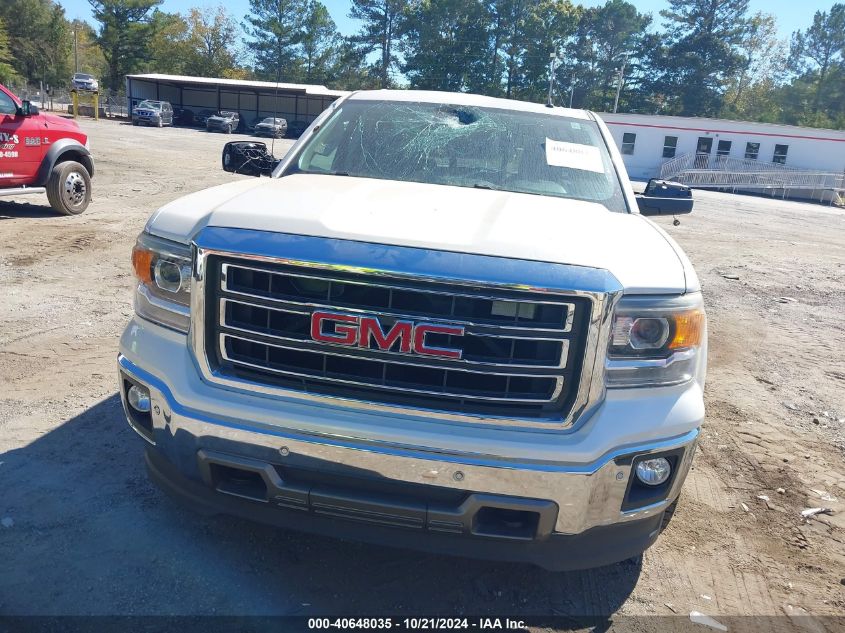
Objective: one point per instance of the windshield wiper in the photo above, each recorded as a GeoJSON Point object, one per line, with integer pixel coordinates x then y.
{"type": "Point", "coordinates": [479, 185]}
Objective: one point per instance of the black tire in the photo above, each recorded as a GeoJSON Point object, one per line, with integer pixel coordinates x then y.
{"type": "Point", "coordinates": [228, 129]}
{"type": "Point", "coordinates": [160, 123]}
{"type": "Point", "coordinates": [69, 188]}
{"type": "Point", "coordinates": [135, 122]}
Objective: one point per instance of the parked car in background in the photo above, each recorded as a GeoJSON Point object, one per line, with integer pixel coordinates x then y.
{"type": "Point", "coordinates": [158, 113]}
{"type": "Point", "coordinates": [296, 128]}
{"type": "Point", "coordinates": [84, 81]}
{"type": "Point", "coordinates": [201, 117]}
{"type": "Point", "coordinates": [183, 116]}
{"type": "Point", "coordinates": [224, 121]}
{"type": "Point", "coordinates": [274, 127]}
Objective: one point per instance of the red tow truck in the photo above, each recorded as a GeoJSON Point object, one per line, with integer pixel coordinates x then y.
{"type": "Point", "coordinates": [43, 153]}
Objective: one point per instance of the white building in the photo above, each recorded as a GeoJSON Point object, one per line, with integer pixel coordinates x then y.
{"type": "Point", "coordinates": [647, 141]}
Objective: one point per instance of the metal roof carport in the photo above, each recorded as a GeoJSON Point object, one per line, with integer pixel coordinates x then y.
{"type": "Point", "coordinates": [252, 99]}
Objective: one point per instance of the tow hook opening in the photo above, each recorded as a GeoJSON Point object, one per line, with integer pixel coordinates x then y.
{"type": "Point", "coordinates": [505, 523]}
{"type": "Point", "coordinates": [238, 482]}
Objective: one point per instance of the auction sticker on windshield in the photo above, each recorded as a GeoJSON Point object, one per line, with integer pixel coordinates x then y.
{"type": "Point", "coordinates": [573, 156]}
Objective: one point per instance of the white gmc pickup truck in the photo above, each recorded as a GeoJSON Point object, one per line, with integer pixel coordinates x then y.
{"type": "Point", "coordinates": [442, 323]}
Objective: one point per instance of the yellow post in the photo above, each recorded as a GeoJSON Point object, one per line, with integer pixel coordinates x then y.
{"type": "Point", "coordinates": [75, 98]}
{"type": "Point", "coordinates": [96, 99]}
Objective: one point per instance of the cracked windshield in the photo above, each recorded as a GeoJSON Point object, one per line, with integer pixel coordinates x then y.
{"type": "Point", "coordinates": [484, 148]}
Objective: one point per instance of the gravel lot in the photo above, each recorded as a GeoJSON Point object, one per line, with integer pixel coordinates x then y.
{"type": "Point", "coordinates": [84, 532]}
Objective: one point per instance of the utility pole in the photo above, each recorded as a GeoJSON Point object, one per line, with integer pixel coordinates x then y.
{"type": "Point", "coordinates": [619, 82]}
{"type": "Point", "coordinates": [554, 62]}
{"type": "Point", "coordinates": [572, 90]}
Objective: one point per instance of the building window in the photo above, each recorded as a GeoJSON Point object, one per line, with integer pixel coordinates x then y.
{"type": "Point", "coordinates": [670, 144]}
{"type": "Point", "coordinates": [724, 148]}
{"type": "Point", "coordinates": [752, 150]}
{"type": "Point", "coordinates": [780, 154]}
{"type": "Point", "coordinates": [628, 140]}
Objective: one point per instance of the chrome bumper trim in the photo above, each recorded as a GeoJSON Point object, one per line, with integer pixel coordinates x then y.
{"type": "Point", "coordinates": [587, 495]}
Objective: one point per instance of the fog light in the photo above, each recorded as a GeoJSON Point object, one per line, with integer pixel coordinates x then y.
{"type": "Point", "coordinates": [139, 399]}
{"type": "Point", "coordinates": [653, 472]}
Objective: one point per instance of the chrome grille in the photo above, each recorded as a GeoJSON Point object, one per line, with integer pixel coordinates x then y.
{"type": "Point", "coordinates": [521, 351]}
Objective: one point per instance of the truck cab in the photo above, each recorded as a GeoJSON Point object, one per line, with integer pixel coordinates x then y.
{"type": "Point", "coordinates": [43, 153]}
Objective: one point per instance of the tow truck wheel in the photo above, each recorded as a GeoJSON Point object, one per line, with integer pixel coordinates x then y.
{"type": "Point", "coordinates": [69, 188]}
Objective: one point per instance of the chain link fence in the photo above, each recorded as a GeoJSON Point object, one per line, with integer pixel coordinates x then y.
{"type": "Point", "coordinates": [112, 103]}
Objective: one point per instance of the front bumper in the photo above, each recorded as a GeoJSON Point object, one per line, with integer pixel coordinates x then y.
{"type": "Point", "coordinates": [595, 547]}
{"type": "Point", "coordinates": [577, 483]}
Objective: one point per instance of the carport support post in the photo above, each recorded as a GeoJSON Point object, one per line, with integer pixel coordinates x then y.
{"type": "Point", "coordinates": [218, 97]}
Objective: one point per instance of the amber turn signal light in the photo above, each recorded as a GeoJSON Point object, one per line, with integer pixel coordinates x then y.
{"type": "Point", "coordinates": [142, 260]}
{"type": "Point", "coordinates": [689, 327]}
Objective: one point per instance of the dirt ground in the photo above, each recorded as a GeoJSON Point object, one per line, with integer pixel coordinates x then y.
{"type": "Point", "coordinates": [84, 532]}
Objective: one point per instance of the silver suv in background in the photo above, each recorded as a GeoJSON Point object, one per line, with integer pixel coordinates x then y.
{"type": "Point", "coordinates": [273, 127]}
{"type": "Point", "coordinates": [158, 113]}
{"type": "Point", "coordinates": [224, 121]}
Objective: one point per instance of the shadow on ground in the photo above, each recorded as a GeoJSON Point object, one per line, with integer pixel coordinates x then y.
{"type": "Point", "coordinates": [92, 535]}
{"type": "Point", "coordinates": [42, 210]}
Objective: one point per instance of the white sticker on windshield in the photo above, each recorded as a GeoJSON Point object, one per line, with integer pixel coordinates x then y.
{"type": "Point", "coordinates": [573, 156]}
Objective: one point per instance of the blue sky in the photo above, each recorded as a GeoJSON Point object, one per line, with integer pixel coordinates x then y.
{"type": "Point", "coordinates": [790, 14]}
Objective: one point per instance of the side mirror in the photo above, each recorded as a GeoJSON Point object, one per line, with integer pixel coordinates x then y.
{"type": "Point", "coordinates": [27, 109]}
{"type": "Point", "coordinates": [248, 158]}
{"type": "Point", "coordinates": [662, 197]}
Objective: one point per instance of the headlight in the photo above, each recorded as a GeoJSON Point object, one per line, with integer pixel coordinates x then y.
{"type": "Point", "coordinates": [163, 269]}
{"type": "Point", "coordinates": [656, 341]}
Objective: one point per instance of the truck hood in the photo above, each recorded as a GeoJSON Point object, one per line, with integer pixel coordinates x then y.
{"type": "Point", "coordinates": [59, 123]}
{"type": "Point", "coordinates": [541, 228]}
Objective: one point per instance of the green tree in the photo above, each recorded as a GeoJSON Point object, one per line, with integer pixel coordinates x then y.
{"type": "Point", "coordinates": [607, 38]}
{"type": "Point", "coordinates": [123, 36]}
{"type": "Point", "coordinates": [347, 68]}
{"type": "Point", "coordinates": [445, 44]}
{"type": "Point", "coordinates": [7, 72]}
{"type": "Point", "coordinates": [751, 90]}
{"type": "Point", "coordinates": [820, 47]}
{"type": "Point", "coordinates": [40, 40]}
{"type": "Point", "coordinates": [380, 32]}
{"type": "Point", "coordinates": [167, 47]}
{"type": "Point", "coordinates": [318, 42]}
{"type": "Point", "coordinates": [700, 56]}
{"type": "Point", "coordinates": [541, 29]}
{"type": "Point", "coordinates": [211, 40]}
{"type": "Point", "coordinates": [275, 28]}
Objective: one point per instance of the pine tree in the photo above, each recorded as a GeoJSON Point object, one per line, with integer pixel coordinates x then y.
{"type": "Point", "coordinates": [124, 34]}
{"type": "Point", "coordinates": [380, 32]}
{"type": "Point", "coordinates": [275, 28]}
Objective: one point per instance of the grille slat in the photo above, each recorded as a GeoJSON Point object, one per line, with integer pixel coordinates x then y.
{"type": "Point", "coordinates": [234, 287]}
{"type": "Point", "coordinates": [521, 352]}
{"type": "Point", "coordinates": [556, 354]}
{"type": "Point", "coordinates": [554, 388]}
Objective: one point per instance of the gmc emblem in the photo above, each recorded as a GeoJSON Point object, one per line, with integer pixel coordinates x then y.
{"type": "Point", "coordinates": [358, 331]}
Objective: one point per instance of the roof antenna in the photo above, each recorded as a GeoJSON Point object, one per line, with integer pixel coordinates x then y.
{"type": "Point", "coordinates": [276, 103]}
